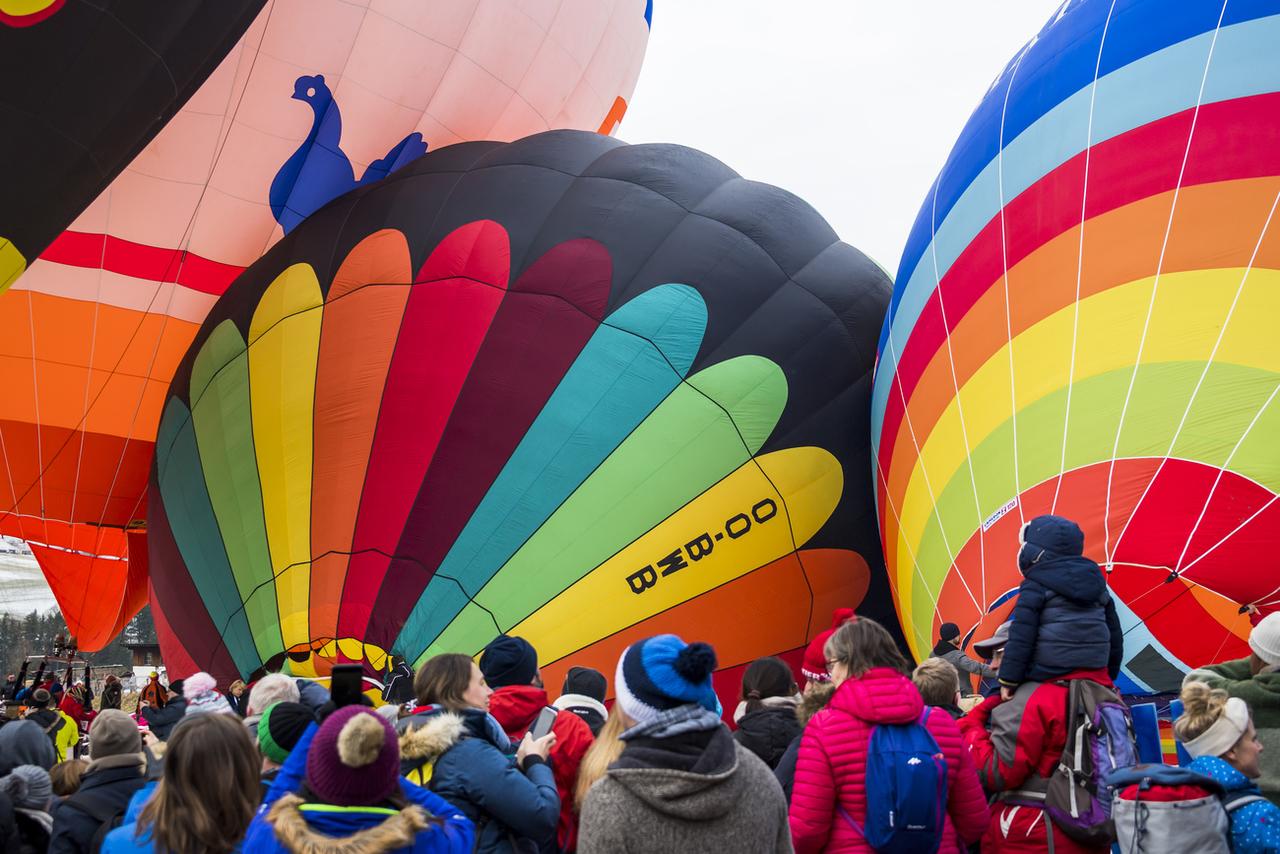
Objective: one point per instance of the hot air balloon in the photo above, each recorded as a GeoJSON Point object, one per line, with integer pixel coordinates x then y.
{"type": "Point", "coordinates": [1081, 324]}
{"type": "Point", "coordinates": [565, 388]}
{"type": "Point", "coordinates": [318, 98]}
{"type": "Point", "coordinates": [90, 86]}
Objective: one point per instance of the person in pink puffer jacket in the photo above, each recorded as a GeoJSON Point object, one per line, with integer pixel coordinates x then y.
{"type": "Point", "coordinates": [871, 688]}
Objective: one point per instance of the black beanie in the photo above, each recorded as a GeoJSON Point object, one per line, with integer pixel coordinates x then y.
{"type": "Point", "coordinates": [585, 681]}
{"type": "Point", "coordinates": [280, 727]}
{"type": "Point", "coordinates": [948, 631]}
{"type": "Point", "coordinates": [176, 686]}
{"type": "Point", "coordinates": [509, 661]}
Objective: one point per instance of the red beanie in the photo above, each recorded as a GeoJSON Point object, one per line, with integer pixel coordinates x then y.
{"type": "Point", "coordinates": [354, 758]}
{"type": "Point", "coordinates": [814, 665]}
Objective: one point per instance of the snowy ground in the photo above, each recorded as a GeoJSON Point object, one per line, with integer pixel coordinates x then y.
{"type": "Point", "coordinates": [22, 586]}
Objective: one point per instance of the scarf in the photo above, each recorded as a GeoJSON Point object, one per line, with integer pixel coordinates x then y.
{"type": "Point", "coordinates": [690, 717]}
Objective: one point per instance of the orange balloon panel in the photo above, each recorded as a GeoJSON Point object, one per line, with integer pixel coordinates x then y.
{"type": "Point", "coordinates": [755, 615]}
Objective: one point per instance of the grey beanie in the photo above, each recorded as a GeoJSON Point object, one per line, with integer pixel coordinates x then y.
{"type": "Point", "coordinates": [29, 787]}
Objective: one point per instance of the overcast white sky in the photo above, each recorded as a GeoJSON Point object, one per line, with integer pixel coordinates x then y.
{"type": "Point", "coordinates": [852, 105]}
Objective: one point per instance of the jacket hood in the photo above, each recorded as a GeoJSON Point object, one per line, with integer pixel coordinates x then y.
{"type": "Point", "coordinates": [1076, 578]}
{"type": "Point", "coordinates": [1046, 537]}
{"type": "Point", "coordinates": [815, 698]}
{"type": "Point", "coordinates": [567, 702]}
{"type": "Point", "coordinates": [428, 736]}
{"type": "Point", "coordinates": [346, 831]}
{"type": "Point", "coordinates": [24, 743]}
{"type": "Point", "coordinates": [1221, 770]}
{"type": "Point", "coordinates": [691, 777]}
{"type": "Point", "coordinates": [882, 695]}
{"type": "Point", "coordinates": [516, 706]}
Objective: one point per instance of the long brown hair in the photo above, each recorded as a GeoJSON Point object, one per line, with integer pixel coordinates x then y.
{"type": "Point", "coordinates": [443, 680]}
{"type": "Point", "coordinates": [862, 644]}
{"type": "Point", "coordinates": [210, 788]}
{"type": "Point", "coordinates": [602, 753]}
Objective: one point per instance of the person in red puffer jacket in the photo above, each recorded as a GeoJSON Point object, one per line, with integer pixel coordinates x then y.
{"type": "Point", "coordinates": [1016, 744]}
{"type": "Point", "coordinates": [871, 688]}
{"type": "Point", "coordinates": [510, 666]}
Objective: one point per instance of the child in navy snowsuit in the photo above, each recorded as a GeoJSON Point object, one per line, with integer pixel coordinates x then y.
{"type": "Point", "coordinates": [1064, 619]}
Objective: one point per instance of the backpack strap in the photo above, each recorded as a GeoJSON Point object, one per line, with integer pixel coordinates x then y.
{"type": "Point", "coordinates": [1234, 803]}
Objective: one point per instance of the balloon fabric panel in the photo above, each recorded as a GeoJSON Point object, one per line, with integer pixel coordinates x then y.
{"type": "Point", "coordinates": [1078, 327]}
{"type": "Point", "coordinates": [587, 425]}
{"type": "Point", "coordinates": [98, 323]}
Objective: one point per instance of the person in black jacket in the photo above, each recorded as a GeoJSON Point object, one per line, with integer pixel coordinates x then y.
{"type": "Point", "coordinates": [117, 769]}
{"type": "Point", "coordinates": [1064, 619]}
{"type": "Point", "coordinates": [766, 716]}
{"type": "Point", "coordinates": [814, 699]}
{"type": "Point", "coordinates": [583, 694]}
{"type": "Point", "coordinates": [162, 720]}
{"type": "Point", "coordinates": [398, 687]}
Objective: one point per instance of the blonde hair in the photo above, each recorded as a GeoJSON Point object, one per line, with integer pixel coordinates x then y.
{"type": "Point", "coordinates": [1201, 708]}
{"type": "Point", "coordinates": [65, 776]}
{"type": "Point", "coordinates": [937, 681]}
{"type": "Point", "coordinates": [602, 753]}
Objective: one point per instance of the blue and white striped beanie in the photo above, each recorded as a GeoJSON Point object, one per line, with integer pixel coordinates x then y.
{"type": "Point", "coordinates": [663, 672]}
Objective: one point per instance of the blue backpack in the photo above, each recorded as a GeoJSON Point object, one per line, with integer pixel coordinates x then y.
{"type": "Point", "coordinates": [906, 790]}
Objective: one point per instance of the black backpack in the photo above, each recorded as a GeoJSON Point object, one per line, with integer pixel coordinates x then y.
{"type": "Point", "coordinates": [101, 809]}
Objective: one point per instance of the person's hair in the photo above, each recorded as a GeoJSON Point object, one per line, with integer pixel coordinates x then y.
{"type": "Point", "coordinates": [239, 683]}
{"type": "Point", "coordinates": [210, 788]}
{"type": "Point", "coordinates": [862, 644]}
{"type": "Point", "coordinates": [602, 753]}
{"type": "Point", "coordinates": [65, 776]}
{"type": "Point", "coordinates": [443, 681]}
{"type": "Point", "coordinates": [937, 681]}
{"type": "Point", "coordinates": [766, 677]}
{"type": "Point", "coordinates": [1201, 708]}
{"type": "Point", "coordinates": [271, 689]}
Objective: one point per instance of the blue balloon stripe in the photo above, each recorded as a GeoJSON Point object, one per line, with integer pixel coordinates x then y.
{"type": "Point", "coordinates": [633, 361]}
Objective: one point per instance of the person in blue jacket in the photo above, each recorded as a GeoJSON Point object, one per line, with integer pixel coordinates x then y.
{"type": "Point", "coordinates": [206, 797]}
{"type": "Point", "coordinates": [341, 790]}
{"type": "Point", "coordinates": [1064, 619]}
{"type": "Point", "coordinates": [452, 744]}
{"type": "Point", "coordinates": [1218, 732]}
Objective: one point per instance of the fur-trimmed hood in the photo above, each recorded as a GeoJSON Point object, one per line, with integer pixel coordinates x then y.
{"type": "Point", "coordinates": [428, 736]}
{"type": "Point", "coordinates": [395, 832]}
{"type": "Point", "coordinates": [813, 700]}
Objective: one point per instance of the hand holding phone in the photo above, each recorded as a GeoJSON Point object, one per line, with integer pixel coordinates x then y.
{"type": "Point", "coordinates": [542, 726]}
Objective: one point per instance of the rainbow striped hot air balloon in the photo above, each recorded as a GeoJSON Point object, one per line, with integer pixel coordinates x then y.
{"type": "Point", "coordinates": [1084, 323]}
{"type": "Point", "coordinates": [565, 388]}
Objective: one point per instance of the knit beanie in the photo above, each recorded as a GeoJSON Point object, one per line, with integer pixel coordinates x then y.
{"type": "Point", "coordinates": [28, 787]}
{"type": "Point", "coordinates": [1048, 536]}
{"type": "Point", "coordinates": [203, 697]}
{"type": "Point", "coordinates": [1264, 639]}
{"type": "Point", "coordinates": [280, 727]}
{"type": "Point", "coordinates": [814, 663]}
{"type": "Point", "coordinates": [113, 733]}
{"type": "Point", "coordinates": [354, 758]}
{"type": "Point", "coordinates": [509, 661]}
{"type": "Point", "coordinates": [586, 682]}
{"type": "Point", "coordinates": [663, 672]}
{"type": "Point", "coordinates": [176, 686]}
{"type": "Point", "coordinates": [948, 632]}
{"type": "Point", "coordinates": [40, 698]}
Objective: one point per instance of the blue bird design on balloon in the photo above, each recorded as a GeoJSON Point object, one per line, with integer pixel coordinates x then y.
{"type": "Point", "coordinates": [320, 171]}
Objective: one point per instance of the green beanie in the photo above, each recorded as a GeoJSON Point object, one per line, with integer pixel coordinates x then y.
{"type": "Point", "coordinates": [280, 727]}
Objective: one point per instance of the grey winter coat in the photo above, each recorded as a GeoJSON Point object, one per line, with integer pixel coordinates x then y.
{"type": "Point", "coordinates": [699, 791]}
